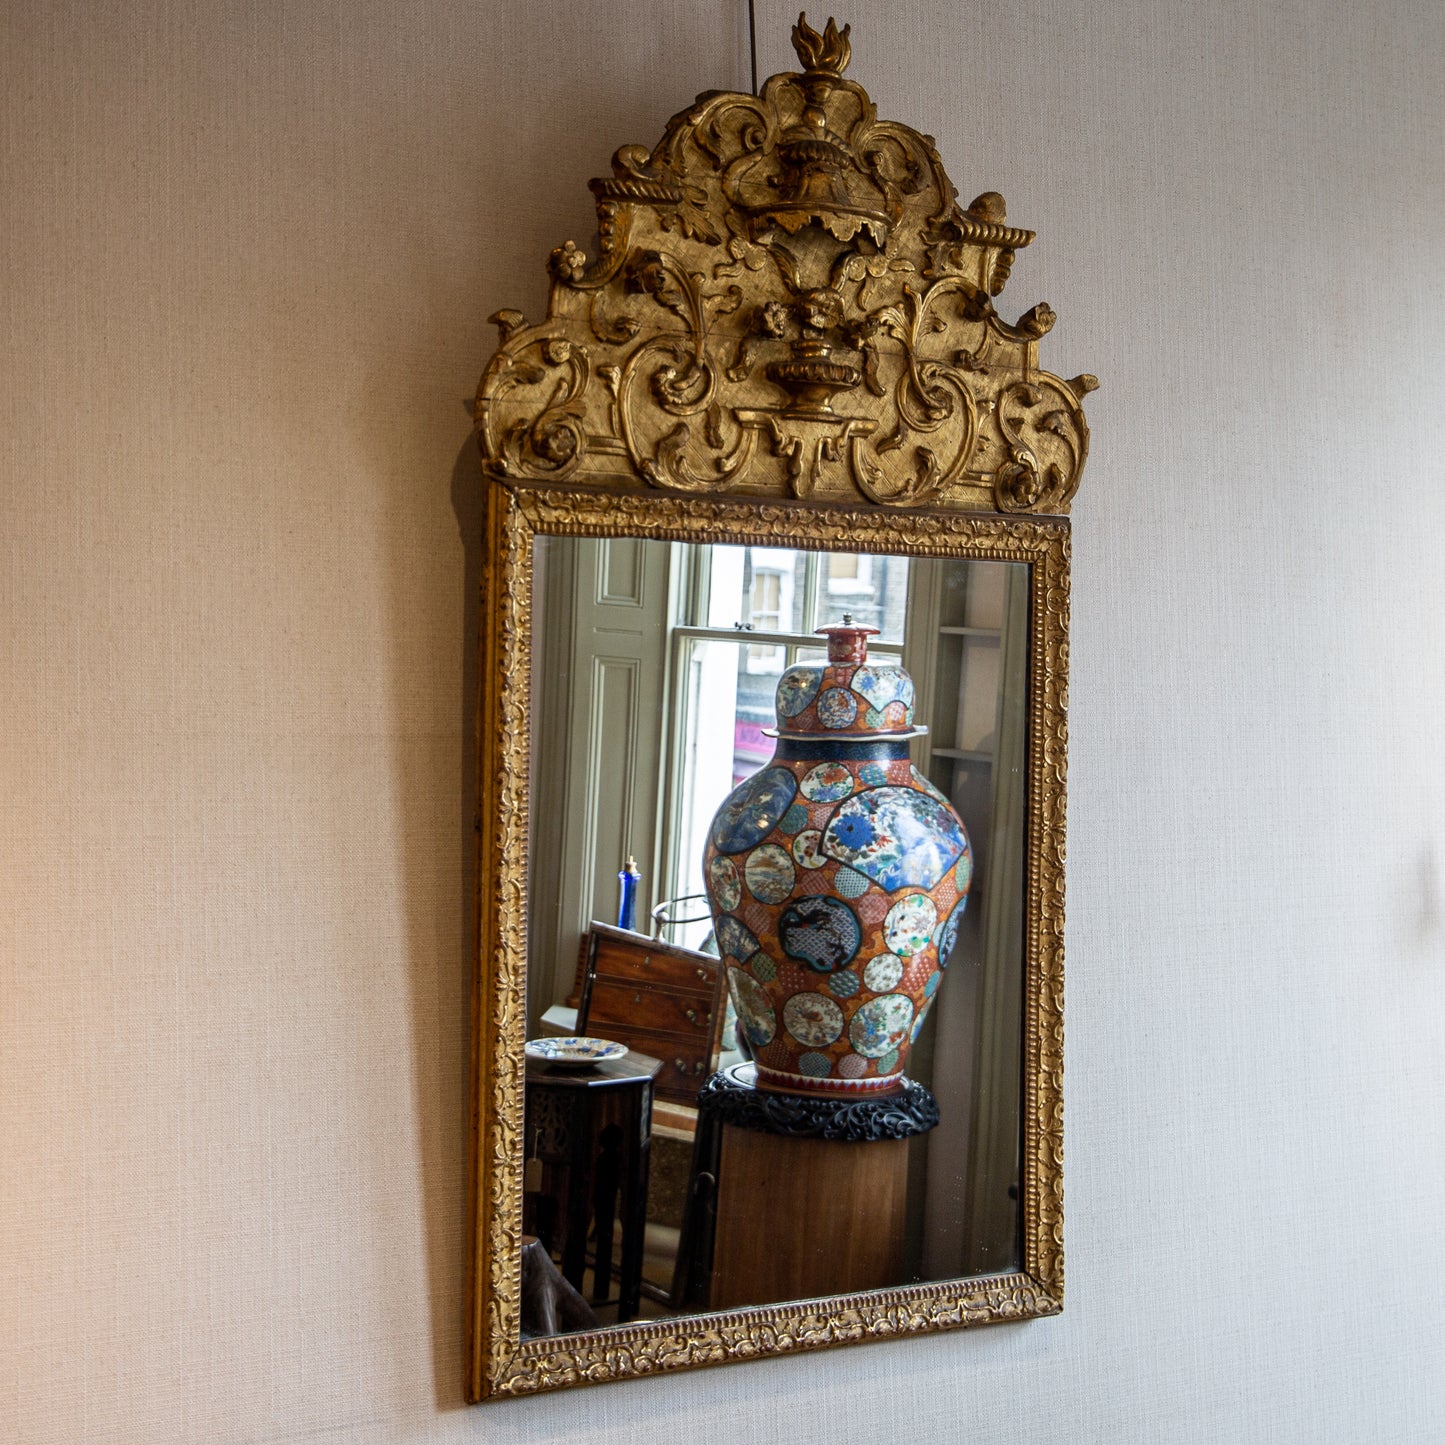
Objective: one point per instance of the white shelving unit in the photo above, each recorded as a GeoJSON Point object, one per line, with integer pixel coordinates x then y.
{"type": "Point", "coordinates": [967, 652]}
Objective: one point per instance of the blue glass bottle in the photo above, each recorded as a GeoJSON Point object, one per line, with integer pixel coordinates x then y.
{"type": "Point", "coordinates": [628, 880]}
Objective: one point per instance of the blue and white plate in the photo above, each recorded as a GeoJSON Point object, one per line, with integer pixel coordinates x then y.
{"type": "Point", "coordinates": [574, 1052]}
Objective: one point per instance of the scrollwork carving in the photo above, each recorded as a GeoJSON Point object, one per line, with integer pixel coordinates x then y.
{"type": "Point", "coordinates": [545, 438]}
{"type": "Point", "coordinates": [911, 1112]}
{"type": "Point", "coordinates": [797, 251]}
{"type": "Point", "coordinates": [1047, 439]}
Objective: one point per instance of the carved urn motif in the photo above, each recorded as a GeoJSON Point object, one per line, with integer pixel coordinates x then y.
{"type": "Point", "coordinates": [837, 877]}
{"type": "Point", "coordinates": [786, 297]}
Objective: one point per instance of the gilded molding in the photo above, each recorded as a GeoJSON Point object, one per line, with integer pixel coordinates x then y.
{"type": "Point", "coordinates": [500, 995]}
{"type": "Point", "coordinates": [500, 1363]}
{"type": "Point", "coordinates": [755, 1334]}
{"type": "Point", "coordinates": [787, 302]}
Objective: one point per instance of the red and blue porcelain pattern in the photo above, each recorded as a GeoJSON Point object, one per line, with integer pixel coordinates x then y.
{"type": "Point", "coordinates": [837, 877]}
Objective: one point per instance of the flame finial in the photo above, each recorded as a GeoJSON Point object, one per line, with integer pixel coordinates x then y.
{"type": "Point", "coordinates": [825, 54]}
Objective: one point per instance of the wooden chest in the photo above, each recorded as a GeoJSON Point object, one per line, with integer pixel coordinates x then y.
{"type": "Point", "coordinates": [657, 998]}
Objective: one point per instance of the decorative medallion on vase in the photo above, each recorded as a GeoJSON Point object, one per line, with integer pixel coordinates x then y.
{"type": "Point", "coordinates": [837, 876]}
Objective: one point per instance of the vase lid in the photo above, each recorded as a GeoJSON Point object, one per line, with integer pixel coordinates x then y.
{"type": "Point", "coordinates": [848, 640]}
{"type": "Point", "coordinates": [847, 697]}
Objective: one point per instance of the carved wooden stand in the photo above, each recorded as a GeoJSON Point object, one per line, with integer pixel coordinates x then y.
{"type": "Point", "coordinates": [810, 1192]}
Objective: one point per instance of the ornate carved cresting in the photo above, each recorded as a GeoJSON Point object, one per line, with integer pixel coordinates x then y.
{"type": "Point", "coordinates": [786, 300]}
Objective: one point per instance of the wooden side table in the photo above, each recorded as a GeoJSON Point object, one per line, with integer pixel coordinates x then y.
{"type": "Point", "coordinates": [588, 1140]}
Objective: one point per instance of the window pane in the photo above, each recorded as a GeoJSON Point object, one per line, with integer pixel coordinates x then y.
{"type": "Point", "coordinates": [721, 744]}
{"type": "Point", "coordinates": [764, 611]}
{"type": "Point", "coordinates": [762, 587]}
{"type": "Point", "coordinates": [872, 590]}
{"type": "Point", "coordinates": [778, 589]}
{"type": "Point", "coordinates": [757, 689]}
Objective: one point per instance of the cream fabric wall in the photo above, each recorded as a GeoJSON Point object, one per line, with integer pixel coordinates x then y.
{"type": "Point", "coordinates": [248, 252]}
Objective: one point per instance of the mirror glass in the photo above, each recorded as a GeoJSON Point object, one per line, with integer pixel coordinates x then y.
{"type": "Point", "coordinates": [655, 670]}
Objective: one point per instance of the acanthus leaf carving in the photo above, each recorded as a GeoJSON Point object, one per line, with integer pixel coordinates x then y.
{"type": "Point", "coordinates": [797, 251]}
{"type": "Point", "coordinates": [796, 248]}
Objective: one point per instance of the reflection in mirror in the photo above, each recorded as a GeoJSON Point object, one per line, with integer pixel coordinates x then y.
{"type": "Point", "coordinates": [656, 666]}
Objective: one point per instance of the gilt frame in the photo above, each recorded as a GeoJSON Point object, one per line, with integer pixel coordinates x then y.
{"type": "Point", "coordinates": [691, 385]}
{"type": "Point", "coordinates": [499, 1363]}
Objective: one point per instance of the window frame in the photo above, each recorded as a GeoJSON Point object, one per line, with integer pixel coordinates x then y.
{"type": "Point", "coordinates": [692, 588]}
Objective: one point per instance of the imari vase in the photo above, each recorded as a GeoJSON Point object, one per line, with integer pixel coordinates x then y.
{"type": "Point", "coordinates": [837, 877]}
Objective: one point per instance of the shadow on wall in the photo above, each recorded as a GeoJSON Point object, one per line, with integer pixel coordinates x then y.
{"type": "Point", "coordinates": [524, 191]}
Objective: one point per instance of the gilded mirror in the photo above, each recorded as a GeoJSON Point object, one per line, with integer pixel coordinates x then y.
{"type": "Point", "coordinates": [778, 401]}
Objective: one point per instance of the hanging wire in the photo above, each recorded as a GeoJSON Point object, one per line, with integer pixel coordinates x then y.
{"type": "Point", "coordinates": [753, 42]}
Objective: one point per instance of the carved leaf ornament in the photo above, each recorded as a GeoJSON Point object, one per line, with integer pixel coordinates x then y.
{"type": "Point", "coordinates": [788, 302]}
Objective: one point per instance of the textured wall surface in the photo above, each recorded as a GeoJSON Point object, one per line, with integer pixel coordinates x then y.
{"type": "Point", "coordinates": [248, 250]}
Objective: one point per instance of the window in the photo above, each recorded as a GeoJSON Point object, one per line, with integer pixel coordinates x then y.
{"type": "Point", "coordinates": [751, 613]}
{"type": "Point", "coordinates": [765, 605]}
{"type": "Point", "coordinates": [850, 575]}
